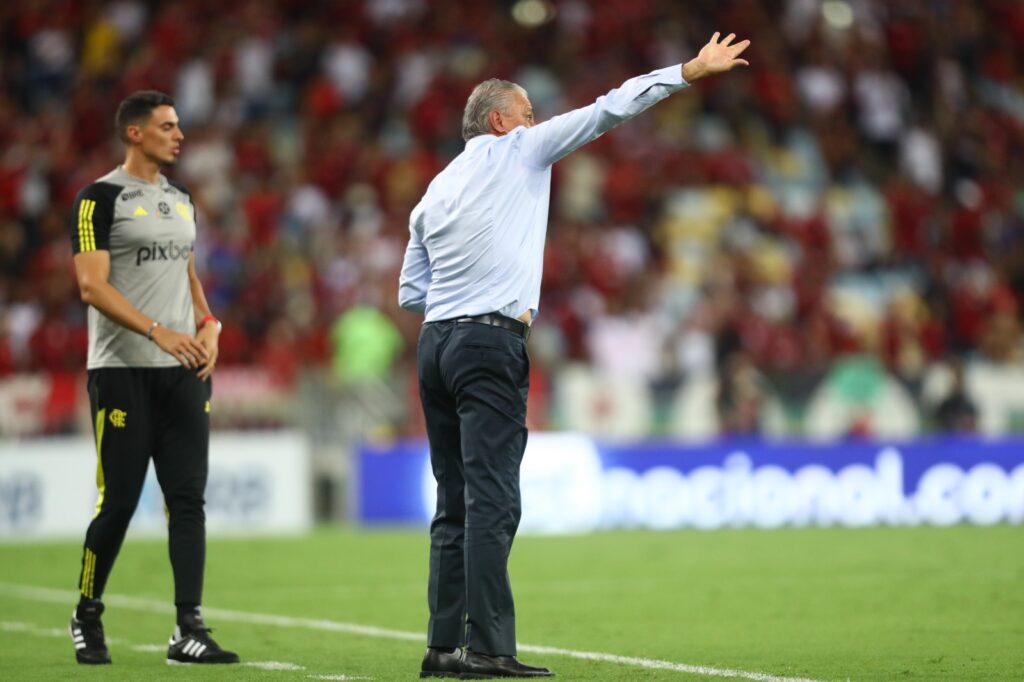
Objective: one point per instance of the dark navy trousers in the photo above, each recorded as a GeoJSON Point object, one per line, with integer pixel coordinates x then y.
{"type": "Point", "coordinates": [473, 382]}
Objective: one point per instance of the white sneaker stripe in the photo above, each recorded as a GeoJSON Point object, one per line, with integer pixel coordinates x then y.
{"type": "Point", "coordinates": [189, 646]}
{"type": "Point", "coordinates": [79, 645]}
{"type": "Point", "coordinates": [200, 650]}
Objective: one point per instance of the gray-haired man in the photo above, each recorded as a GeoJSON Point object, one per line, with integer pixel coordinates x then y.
{"type": "Point", "coordinates": [473, 265]}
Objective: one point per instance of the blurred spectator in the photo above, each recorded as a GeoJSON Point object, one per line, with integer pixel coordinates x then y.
{"type": "Point", "coordinates": [957, 413]}
{"type": "Point", "coordinates": [741, 395]}
{"type": "Point", "coordinates": [858, 190]}
{"type": "Point", "coordinates": [366, 345]}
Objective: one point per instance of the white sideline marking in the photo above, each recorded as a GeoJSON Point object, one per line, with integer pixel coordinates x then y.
{"type": "Point", "coordinates": [273, 665]}
{"type": "Point", "coordinates": [29, 628]}
{"type": "Point", "coordinates": [38, 631]}
{"type": "Point", "coordinates": [148, 648]}
{"type": "Point", "coordinates": [47, 594]}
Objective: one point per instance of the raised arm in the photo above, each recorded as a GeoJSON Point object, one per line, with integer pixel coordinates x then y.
{"type": "Point", "coordinates": [547, 142]}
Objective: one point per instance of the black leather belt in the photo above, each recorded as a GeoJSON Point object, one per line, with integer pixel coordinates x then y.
{"type": "Point", "coordinates": [496, 320]}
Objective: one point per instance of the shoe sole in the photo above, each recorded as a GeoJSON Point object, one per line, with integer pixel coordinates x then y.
{"type": "Point", "coordinates": [485, 676]}
{"type": "Point", "coordinates": [171, 661]}
{"type": "Point", "coordinates": [427, 673]}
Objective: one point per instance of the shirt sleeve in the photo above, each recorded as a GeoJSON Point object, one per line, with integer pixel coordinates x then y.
{"type": "Point", "coordinates": [91, 218]}
{"type": "Point", "coordinates": [547, 142]}
{"type": "Point", "coordinates": [415, 278]}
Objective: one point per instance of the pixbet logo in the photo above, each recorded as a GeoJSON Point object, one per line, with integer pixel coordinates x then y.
{"type": "Point", "coordinates": [168, 251]}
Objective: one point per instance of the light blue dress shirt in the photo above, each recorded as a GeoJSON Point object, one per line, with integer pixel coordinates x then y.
{"type": "Point", "coordinates": [476, 238]}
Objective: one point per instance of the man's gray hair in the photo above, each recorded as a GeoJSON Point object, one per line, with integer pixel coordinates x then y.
{"type": "Point", "coordinates": [493, 94]}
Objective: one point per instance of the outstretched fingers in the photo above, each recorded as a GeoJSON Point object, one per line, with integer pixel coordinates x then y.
{"type": "Point", "coordinates": [738, 49]}
{"type": "Point", "coordinates": [717, 57]}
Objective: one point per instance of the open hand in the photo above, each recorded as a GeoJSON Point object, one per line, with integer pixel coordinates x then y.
{"type": "Point", "coordinates": [716, 57]}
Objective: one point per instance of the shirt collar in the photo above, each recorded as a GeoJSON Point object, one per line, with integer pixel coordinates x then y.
{"type": "Point", "coordinates": [475, 142]}
{"type": "Point", "coordinates": [161, 179]}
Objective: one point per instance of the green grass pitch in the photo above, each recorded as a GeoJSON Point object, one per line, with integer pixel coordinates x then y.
{"type": "Point", "coordinates": [822, 604]}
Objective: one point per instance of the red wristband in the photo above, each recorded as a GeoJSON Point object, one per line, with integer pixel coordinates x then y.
{"type": "Point", "coordinates": [208, 318]}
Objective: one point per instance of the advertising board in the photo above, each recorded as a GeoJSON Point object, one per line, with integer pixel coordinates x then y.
{"type": "Point", "coordinates": [259, 483]}
{"type": "Point", "coordinates": [570, 483]}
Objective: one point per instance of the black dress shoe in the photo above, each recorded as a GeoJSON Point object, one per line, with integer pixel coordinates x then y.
{"type": "Point", "coordinates": [481, 667]}
{"type": "Point", "coordinates": [440, 663]}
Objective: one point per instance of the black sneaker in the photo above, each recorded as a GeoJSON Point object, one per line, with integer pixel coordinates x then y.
{"type": "Point", "coordinates": [192, 643]}
{"type": "Point", "coordinates": [87, 633]}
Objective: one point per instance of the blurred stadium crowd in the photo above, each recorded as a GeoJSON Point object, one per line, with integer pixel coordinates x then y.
{"type": "Point", "coordinates": [826, 242]}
